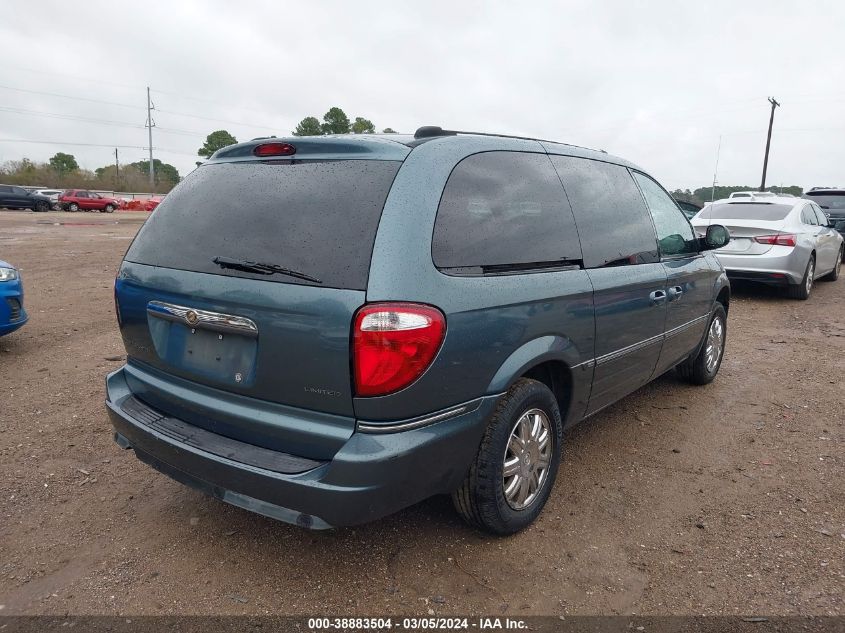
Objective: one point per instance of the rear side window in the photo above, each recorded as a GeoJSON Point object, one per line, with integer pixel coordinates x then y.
{"type": "Point", "coordinates": [808, 216]}
{"type": "Point", "coordinates": [317, 218]}
{"type": "Point", "coordinates": [766, 211]}
{"type": "Point", "coordinates": [613, 221]}
{"type": "Point", "coordinates": [828, 199]}
{"type": "Point", "coordinates": [501, 211]}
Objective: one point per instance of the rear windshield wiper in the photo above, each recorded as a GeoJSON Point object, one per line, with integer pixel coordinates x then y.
{"type": "Point", "coordinates": [261, 268]}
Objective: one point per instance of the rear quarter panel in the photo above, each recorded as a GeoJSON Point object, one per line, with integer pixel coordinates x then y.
{"type": "Point", "coordinates": [497, 327]}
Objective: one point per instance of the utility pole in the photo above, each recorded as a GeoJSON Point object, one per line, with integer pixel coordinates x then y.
{"type": "Point", "coordinates": [116, 171]}
{"type": "Point", "coordinates": [150, 125]}
{"type": "Point", "coordinates": [716, 170]}
{"type": "Point", "coordinates": [775, 104]}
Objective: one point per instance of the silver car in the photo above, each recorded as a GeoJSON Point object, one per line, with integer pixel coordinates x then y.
{"type": "Point", "coordinates": [53, 194]}
{"type": "Point", "coordinates": [775, 240]}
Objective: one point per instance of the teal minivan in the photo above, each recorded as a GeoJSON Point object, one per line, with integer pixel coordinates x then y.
{"type": "Point", "coordinates": [325, 330]}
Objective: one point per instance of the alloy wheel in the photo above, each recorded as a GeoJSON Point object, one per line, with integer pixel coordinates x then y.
{"type": "Point", "coordinates": [715, 342]}
{"type": "Point", "coordinates": [811, 270]}
{"type": "Point", "coordinates": [527, 459]}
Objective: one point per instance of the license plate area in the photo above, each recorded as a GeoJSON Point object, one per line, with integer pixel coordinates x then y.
{"type": "Point", "coordinates": [737, 245]}
{"type": "Point", "coordinates": [211, 348]}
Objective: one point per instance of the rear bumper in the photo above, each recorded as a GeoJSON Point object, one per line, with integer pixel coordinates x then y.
{"type": "Point", "coordinates": [371, 476]}
{"type": "Point", "coordinates": [781, 265]}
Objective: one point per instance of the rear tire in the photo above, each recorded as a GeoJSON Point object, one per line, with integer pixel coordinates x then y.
{"type": "Point", "coordinates": [833, 275]}
{"type": "Point", "coordinates": [524, 433]}
{"type": "Point", "coordinates": [703, 367]}
{"type": "Point", "coordinates": [802, 291]}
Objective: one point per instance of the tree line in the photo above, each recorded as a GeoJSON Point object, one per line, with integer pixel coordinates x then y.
{"type": "Point", "coordinates": [62, 171]}
{"type": "Point", "coordinates": [335, 121]}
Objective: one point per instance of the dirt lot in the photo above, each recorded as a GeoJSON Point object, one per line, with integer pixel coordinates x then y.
{"type": "Point", "coordinates": [685, 500]}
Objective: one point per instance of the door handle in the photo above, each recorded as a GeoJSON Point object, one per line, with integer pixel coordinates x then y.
{"type": "Point", "coordinates": [657, 297]}
{"type": "Point", "coordinates": [675, 292]}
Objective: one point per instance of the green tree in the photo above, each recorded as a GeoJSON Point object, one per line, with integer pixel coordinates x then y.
{"type": "Point", "coordinates": [335, 121]}
{"type": "Point", "coordinates": [165, 173]}
{"type": "Point", "coordinates": [64, 163]}
{"type": "Point", "coordinates": [388, 130]}
{"type": "Point", "coordinates": [309, 126]}
{"type": "Point", "coordinates": [363, 126]}
{"type": "Point", "coordinates": [683, 194]}
{"type": "Point", "coordinates": [214, 141]}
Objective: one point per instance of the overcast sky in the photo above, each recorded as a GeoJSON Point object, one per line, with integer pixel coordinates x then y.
{"type": "Point", "coordinates": [656, 82]}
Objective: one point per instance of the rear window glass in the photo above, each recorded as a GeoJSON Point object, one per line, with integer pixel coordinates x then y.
{"type": "Point", "coordinates": [828, 200]}
{"type": "Point", "coordinates": [504, 209]}
{"type": "Point", "coordinates": [746, 211]}
{"type": "Point", "coordinates": [317, 218]}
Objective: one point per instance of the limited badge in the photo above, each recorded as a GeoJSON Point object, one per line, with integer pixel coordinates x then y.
{"type": "Point", "coordinates": [238, 377]}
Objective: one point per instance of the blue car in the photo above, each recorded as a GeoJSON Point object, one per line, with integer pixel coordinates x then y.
{"type": "Point", "coordinates": [325, 330]}
{"type": "Point", "coordinates": [12, 314]}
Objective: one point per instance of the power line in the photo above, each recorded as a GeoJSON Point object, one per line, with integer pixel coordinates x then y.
{"type": "Point", "coordinates": [205, 118]}
{"type": "Point", "coordinates": [72, 117]}
{"type": "Point", "coordinates": [128, 87]}
{"type": "Point", "coordinates": [143, 147]}
{"type": "Point", "coordinates": [66, 76]}
{"type": "Point", "coordinates": [134, 107]}
{"type": "Point", "coordinates": [56, 94]}
{"type": "Point", "coordinates": [201, 100]}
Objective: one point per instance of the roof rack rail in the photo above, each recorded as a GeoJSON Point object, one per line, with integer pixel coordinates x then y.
{"type": "Point", "coordinates": [433, 131]}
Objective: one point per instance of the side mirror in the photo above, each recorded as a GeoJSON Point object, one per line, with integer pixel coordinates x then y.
{"type": "Point", "coordinates": [717, 236]}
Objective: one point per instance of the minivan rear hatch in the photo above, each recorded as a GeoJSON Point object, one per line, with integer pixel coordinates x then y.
{"type": "Point", "coordinates": [239, 292]}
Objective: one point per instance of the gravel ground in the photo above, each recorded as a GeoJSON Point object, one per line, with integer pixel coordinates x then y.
{"type": "Point", "coordinates": [722, 499]}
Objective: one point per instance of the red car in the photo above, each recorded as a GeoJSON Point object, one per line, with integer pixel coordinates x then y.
{"type": "Point", "coordinates": [82, 199]}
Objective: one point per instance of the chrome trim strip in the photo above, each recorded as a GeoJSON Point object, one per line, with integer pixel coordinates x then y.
{"type": "Point", "coordinates": [645, 343]}
{"type": "Point", "coordinates": [681, 328]}
{"type": "Point", "coordinates": [195, 318]}
{"type": "Point", "coordinates": [606, 358]}
{"type": "Point", "coordinates": [415, 423]}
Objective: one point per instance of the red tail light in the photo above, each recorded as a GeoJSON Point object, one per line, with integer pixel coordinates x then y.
{"type": "Point", "coordinates": [783, 239]}
{"type": "Point", "coordinates": [393, 344]}
{"type": "Point", "coordinates": [274, 149]}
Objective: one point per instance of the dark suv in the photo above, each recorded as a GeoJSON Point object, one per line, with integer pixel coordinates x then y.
{"type": "Point", "coordinates": [832, 202]}
{"type": "Point", "coordinates": [326, 330]}
{"type": "Point", "coordinates": [14, 197]}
